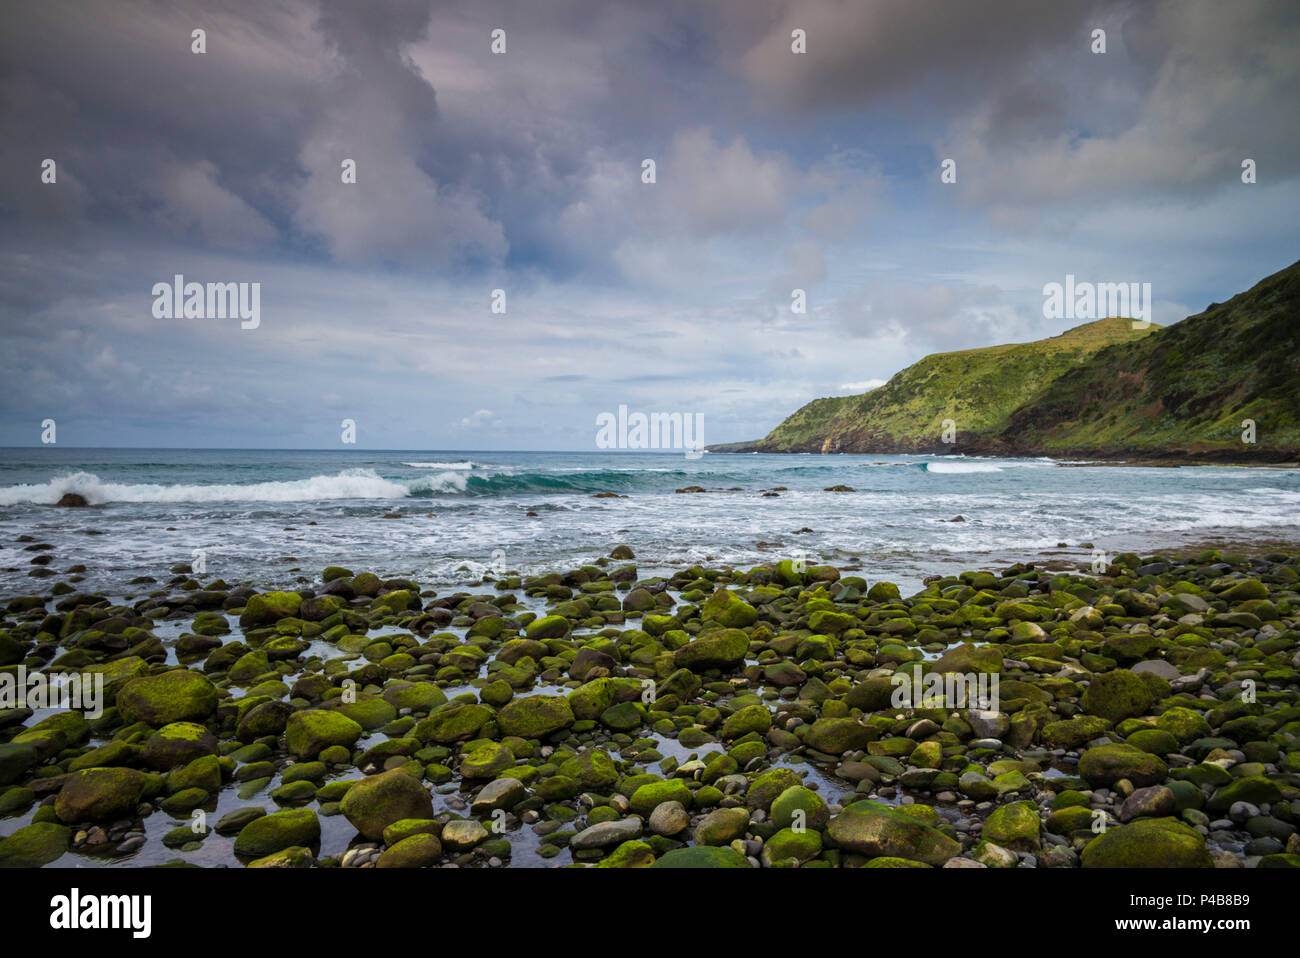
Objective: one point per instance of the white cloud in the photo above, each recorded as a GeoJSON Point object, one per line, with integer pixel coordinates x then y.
{"type": "Point", "coordinates": [484, 417]}
{"type": "Point", "coordinates": [865, 386]}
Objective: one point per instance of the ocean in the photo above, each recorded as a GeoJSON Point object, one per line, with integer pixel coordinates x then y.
{"type": "Point", "coordinates": [271, 517]}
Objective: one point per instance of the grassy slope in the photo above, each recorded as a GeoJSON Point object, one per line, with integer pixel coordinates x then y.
{"type": "Point", "coordinates": [1101, 389]}
{"type": "Point", "coordinates": [1185, 391]}
{"type": "Point", "coordinates": [976, 388]}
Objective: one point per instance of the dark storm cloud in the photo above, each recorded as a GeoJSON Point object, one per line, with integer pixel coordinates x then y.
{"type": "Point", "coordinates": [475, 171]}
{"type": "Point", "coordinates": [862, 52]}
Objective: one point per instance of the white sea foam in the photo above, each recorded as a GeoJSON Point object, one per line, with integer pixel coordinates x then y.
{"type": "Point", "coordinates": [442, 465]}
{"type": "Point", "coordinates": [961, 467]}
{"type": "Point", "coordinates": [348, 484]}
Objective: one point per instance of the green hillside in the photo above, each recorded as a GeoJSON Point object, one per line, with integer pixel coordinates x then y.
{"type": "Point", "coordinates": [1102, 389]}
{"type": "Point", "coordinates": [1184, 392]}
{"type": "Point", "coordinates": [975, 388]}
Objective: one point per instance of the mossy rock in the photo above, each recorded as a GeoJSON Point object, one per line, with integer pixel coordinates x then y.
{"type": "Point", "coordinates": [547, 627]}
{"type": "Point", "coordinates": [1183, 724]}
{"type": "Point", "coordinates": [1148, 843]}
{"type": "Point", "coordinates": [175, 696]}
{"type": "Point", "coordinates": [406, 827]}
{"type": "Point", "coordinates": [453, 723]}
{"type": "Point", "coordinates": [1117, 695]}
{"type": "Point", "coordinates": [719, 649]}
{"type": "Point", "coordinates": [35, 845]}
{"type": "Point", "coordinates": [649, 796]}
{"type": "Point", "coordinates": [486, 761]}
{"type": "Point", "coordinates": [876, 830]}
{"type": "Point", "coordinates": [177, 744]}
{"type": "Point", "coordinates": [275, 832]}
{"type": "Point", "coordinates": [99, 795]}
{"type": "Point", "coordinates": [399, 600]}
{"type": "Point", "coordinates": [1015, 826]}
{"type": "Point", "coordinates": [1154, 740]}
{"type": "Point", "coordinates": [416, 851]}
{"type": "Point", "coordinates": [17, 759]}
{"type": "Point", "coordinates": [702, 856]}
{"type": "Point", "coordinates": [630, 854]}
{"type": "Point", "coordinates": [591, 699]}
{"type": "Point", "coordinates": [884, 592]}
{"type": "Point", "coordinates": [262, 720]}
{"type": "Point", "coordinates": [232, 823]}
{"type": "Point", "coordinates": [592, 768]}
{"type": "Point", "coordinates": [369, 711]}
{"type": "Point", "coordinates": [728, 610]}
{"type": "Point", "coordinates": [622, 717]}
{"type": "Point", "coordinates": [416, 696]}
{"type": "Point", "coordinates": [799, 804]}
{"type": "Point", "coordinates": [968, 658]}
{"type": "Point", "coordinates": [296, 856]}
{"type": "Point", "coordinates": [249, 667]}
{"type": "Point", "coordinates": [117, 673]}
{"type": "Point", "coordinates": [1245, 590]}
{"type": "Point", "coordinates": [791, 845]}
{"type": "Point", "coordinates": [1254, 789]}
{"type": "Point", "coordinates": [888, 861]}
{"type": "Point", "coordinates": [825, 622]}
{"type": "Point", "coordinates": [185, 801]}
{"type": "Point", "coordinates": [267, 608]}
{"type": "Point", "coordinates": [535, 716]}
{"type": "Point", "coordinates": [1071, 819]}
{"type": "Point", "coordinates": [204, 772]}
{"type": "Point", "coordinates": [311, 731]}
{"type": "Point", "coordinates": [769, 785]}
{"type": "Point", "coordinates": [377, 801]}
{"type": "Point", "coordinates": [1075, 731]}
{"type": "Point", "coordinates": [721, 826]}
{"type": "Point", "coordinates": [1105, 765]}
{"type": "Point", "coordinates": [873, 695]}
{"type": "Point", "coordinates": [751, 718]}
{"type": "Point", "coordinates": [835, 736]}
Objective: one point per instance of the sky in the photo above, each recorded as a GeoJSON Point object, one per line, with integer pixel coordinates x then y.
{"type": "Point", "coordinates": [524, 171]}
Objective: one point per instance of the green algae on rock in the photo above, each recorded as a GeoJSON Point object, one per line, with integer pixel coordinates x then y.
{"type": "Point", "coordinates": [548, 718]}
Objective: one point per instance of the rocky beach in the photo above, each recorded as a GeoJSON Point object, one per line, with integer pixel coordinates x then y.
{"type": "Point", "coordinates": [1148, 715]}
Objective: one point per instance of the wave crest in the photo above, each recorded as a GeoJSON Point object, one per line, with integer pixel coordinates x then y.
{"type": "Point", "coordinates": [348, 484]}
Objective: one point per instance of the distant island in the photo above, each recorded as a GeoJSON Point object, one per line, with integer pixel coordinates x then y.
{"type": "Point", "coordinates": [1199, 390]}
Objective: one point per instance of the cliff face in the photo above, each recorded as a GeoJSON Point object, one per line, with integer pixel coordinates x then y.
{"type": "Point", "coordinates": [1101, 390]}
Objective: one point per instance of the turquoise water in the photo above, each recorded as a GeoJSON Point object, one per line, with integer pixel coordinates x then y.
{"type": "Point", "coordinates": [271, 516]}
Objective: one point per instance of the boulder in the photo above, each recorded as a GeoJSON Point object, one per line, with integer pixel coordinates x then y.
{"type": "Point", "coordinates": [99, 795]}
{"type": "Point", "coordinates": [311, 731]}
{"type": "Point", "coordinates": [1104, 765]}
{"type": "Point", "coordinates": [876, 830]}
{"type": "Point", "coordinates": [178, 695]}
{"type": "Point", "coordinates": [375, 802]}
{"type": "Point", "coordinates": [269, 834]}
{"type": "Point", "coordinates": [719, 649]}
{"type": "Point", "coordinates": [535, 716]}
{"type": "Point", "coordinates": [1148, 843]}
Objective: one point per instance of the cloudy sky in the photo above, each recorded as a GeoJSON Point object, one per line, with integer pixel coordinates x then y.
{"type": "Point", "coordinates": [522, 171]}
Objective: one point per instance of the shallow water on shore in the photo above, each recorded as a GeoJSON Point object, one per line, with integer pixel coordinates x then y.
{"type": "Point", "coordinates": [444, 517]}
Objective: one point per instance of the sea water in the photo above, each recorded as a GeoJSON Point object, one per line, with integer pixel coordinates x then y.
{"type": "Point", "coordinates": [447, 517]}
